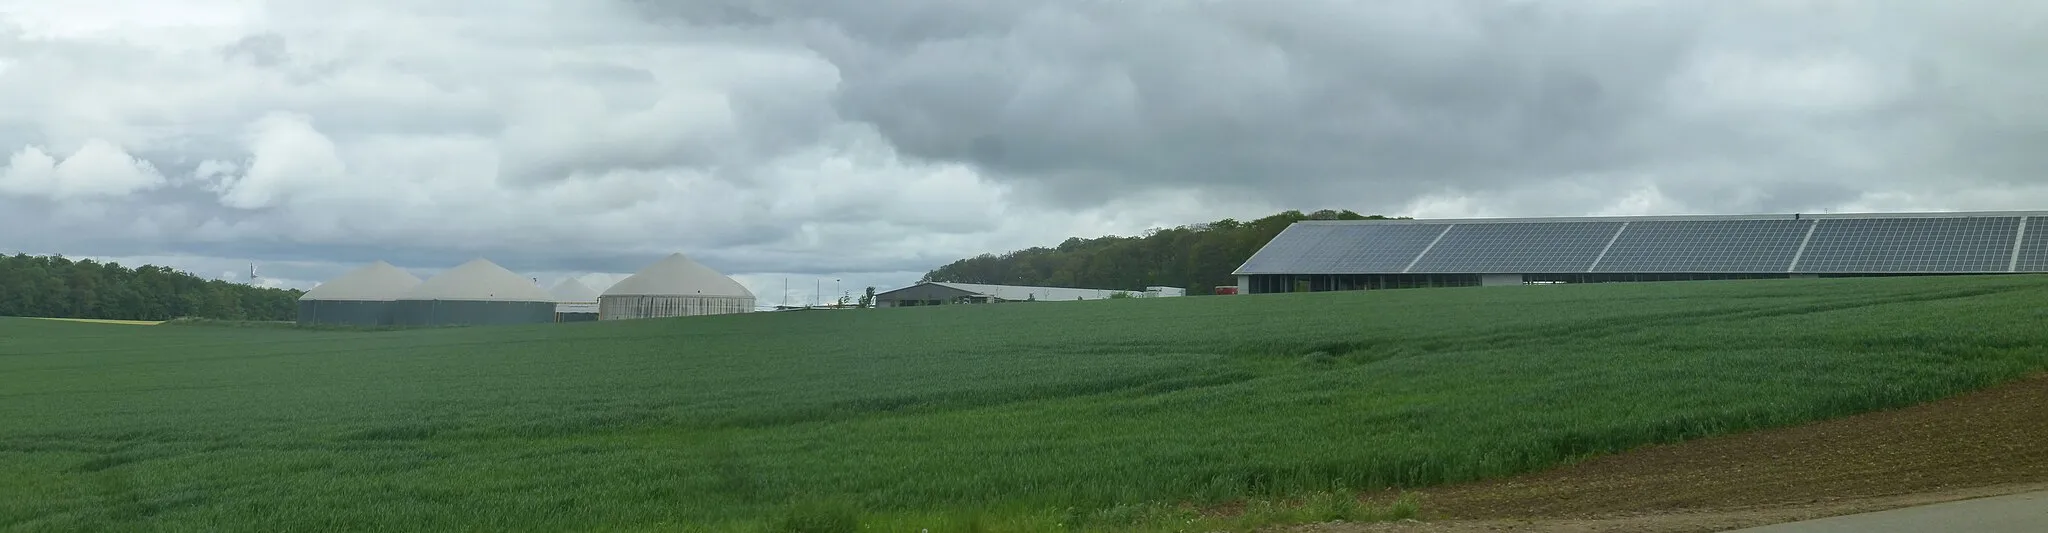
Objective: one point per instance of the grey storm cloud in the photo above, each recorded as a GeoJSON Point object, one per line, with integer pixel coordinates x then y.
{"type": "Point", "coordinates": [1292, 100]}
{"type": "Point", "coordinates": [803, 136]}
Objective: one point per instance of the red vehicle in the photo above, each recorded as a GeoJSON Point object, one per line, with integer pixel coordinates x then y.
{"type": "Point", "coordinates": [1226, 290]}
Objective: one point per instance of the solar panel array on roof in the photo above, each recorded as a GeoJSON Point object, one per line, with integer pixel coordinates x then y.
{"type": "Point", "coordinates": [1873, 244]}
{"type": "Point", "coordinates": [1518, 247]}
{"type": "Point", "coordinates": [1705, 246]}
{"type": "Point", "coordinates": [1345, 249]}
{"type": "Point", "coordinates": [1911, 245]}
{"type": "Point", "coordinates": [1386, 248]}
{"type": "Point", "coordinates": [2033, 252]}
{"type": "Point", "coordinates": [1291, 249]}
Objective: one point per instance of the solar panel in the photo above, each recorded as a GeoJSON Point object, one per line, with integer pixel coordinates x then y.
{"type": "Point", "coordinates": [1380, 248]}
{"type": "Point", "coordinates": [1343, 249]}
{"type": "Point", "coordinates": [1705, 246]}
{"type": "Point", "coordinates": [1895, 245]}
{"type": "Point", "coordinates": [1947, 243]}
{"type": "Point", "coordinates": [1518, 247]}
{"type": "Point", "coordinates": [1291, 251]}
{"type": "Point", "coordinates": [2034, 247]}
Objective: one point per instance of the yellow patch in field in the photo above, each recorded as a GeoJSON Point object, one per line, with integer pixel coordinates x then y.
{"type": "Point", "coordinates": [103, 321]}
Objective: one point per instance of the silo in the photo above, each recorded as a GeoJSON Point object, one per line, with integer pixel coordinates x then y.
{"type": "Point", "coordinates": [675, 286]}
{"type": "Point", "coordinates": [476, 293]}
{"type": "Point", "coordinates": [360, 297]}
{"type": "Point", "coordinates": [574, 301]}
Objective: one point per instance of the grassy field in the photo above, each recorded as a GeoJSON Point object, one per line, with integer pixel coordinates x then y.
{"type": "Point", "coordinates": [1025, 417]}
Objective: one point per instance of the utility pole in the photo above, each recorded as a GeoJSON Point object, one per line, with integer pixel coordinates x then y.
{"type": "Point", "coordinates": [817, 291]}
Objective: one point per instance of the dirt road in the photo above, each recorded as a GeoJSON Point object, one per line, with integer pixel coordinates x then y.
{"type": "Point", "coordinates": [2017, 513]}
{"type": "Point", "coordinates": [1988, 443]}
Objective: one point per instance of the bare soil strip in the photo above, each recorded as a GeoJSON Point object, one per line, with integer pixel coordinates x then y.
{"type": "Point", "coordinates": [1986, 443]}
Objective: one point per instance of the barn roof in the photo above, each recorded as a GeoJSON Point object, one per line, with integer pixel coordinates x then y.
{"type": "Point", "coordinates": [1950, 242]}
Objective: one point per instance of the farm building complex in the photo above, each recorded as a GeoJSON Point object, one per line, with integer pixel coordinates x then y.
{"type": "Point", "coordinates": [1333, 255]}
{"type": "Point", "coordinates": [940, 292]}
{"type": "Point", "coordinates": [482, 293]}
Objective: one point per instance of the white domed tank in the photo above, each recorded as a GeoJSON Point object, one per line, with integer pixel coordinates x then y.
{"type": "Point", "coordinates": [361, 297]}
{"type": "Point", "coordinates": [674, 286]}
{"type": "Point", "coordinates": [574, 301]}
{"type": "Point", "coordinates": [477, 293]}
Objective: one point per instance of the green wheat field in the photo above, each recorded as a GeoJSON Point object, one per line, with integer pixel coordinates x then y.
{"type": "Point", "coordinates": [1115, 415]}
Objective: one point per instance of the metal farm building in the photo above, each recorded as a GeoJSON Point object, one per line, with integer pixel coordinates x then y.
{"type": "Point", "coordinates": [1329, 255]}
{"type": "Point", "coordinates": [361, 297]}
{"type": "Point", "coordinates": [674, 286]}
{"type": "Point", "coordinates": [476, 293]}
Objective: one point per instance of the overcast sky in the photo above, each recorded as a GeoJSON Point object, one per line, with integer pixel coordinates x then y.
{"type": "Point", "coordinates": [871, 141]}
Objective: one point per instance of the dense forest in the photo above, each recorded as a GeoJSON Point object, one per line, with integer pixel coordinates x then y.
{"type": "Point", "coordinates": [1197, 257]}
{"type": "Point", "coordinates": [56, 287]}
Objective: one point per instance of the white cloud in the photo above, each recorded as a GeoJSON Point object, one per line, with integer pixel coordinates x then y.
{"type": "Point", "coordinates": [97, 169]}
{"type": "Point", "coordinates": [288, 156]}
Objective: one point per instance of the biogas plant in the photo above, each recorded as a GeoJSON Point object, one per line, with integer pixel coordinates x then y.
{"type": "Point", "coordinates": [480, 292]}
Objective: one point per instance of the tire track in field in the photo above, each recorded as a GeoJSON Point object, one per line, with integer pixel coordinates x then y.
{"type": "Point", "coordinates": [1160, 382]}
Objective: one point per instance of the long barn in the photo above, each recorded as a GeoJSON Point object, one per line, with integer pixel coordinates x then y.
{"type": "Point", "coordinates": [1327, 255]}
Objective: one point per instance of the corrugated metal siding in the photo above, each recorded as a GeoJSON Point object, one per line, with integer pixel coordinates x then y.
{"type": "Point", "coordinates": [630, 307]}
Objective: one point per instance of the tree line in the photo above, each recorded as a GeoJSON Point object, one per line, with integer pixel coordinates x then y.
{"type": "Point", "coordinates": [1198, 257]}
{"type": "Point", "coordinates": [57, 287]}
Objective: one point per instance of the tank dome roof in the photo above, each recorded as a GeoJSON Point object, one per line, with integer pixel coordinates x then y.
{"type": "Point", "coordinates": [677, 275]}
{"type": "Point", "coordinates": [377, 281]}
{"type": "Point", "coordinates": [571, 290]}
{"type": "Point", "coordinates": [478, 280]}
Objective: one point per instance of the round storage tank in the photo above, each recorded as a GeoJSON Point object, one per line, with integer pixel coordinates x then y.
{"type": "Point", "coordinates": [674, 286]}
{"type": "Point", "coordinates": [574, 301]}
{"type": "Point", "coordinates": [360, 297]}
{"type": "Point", "coordinates": [478, 293]}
